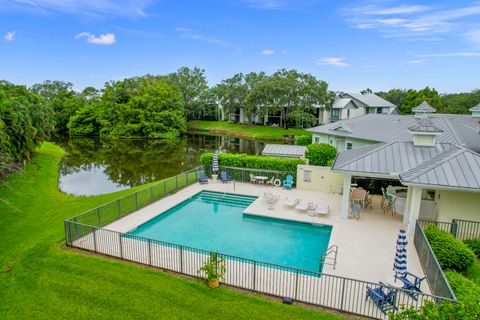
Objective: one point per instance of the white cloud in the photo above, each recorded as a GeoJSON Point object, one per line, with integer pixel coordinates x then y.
{"type": "Point", "coordinates": [279, 4]}
{"type": "Point", "coordinates": [417, 61]}
{"type": "Point", "coordinates": [398, 10]}
{"type": "Point", "coordinates": [9, 36]}
{"type": "Point", "coordinates": [333, 61]}
{"type": "Point", "coordinates": [91, 8]}
{"type": "Point", "coordinates": [267, 52]}
{"type": "Point", "coordinates": [103, 39]}
{"type": "Point", "coordinates": [191, 34]}
{"type": "Point", "coordinates": [450, 54]}
{"type": "Point", "coordinates": [473, 36]}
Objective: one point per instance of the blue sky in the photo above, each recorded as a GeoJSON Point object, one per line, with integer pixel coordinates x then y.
{"type": "Point", "coordinates": [350, 44]}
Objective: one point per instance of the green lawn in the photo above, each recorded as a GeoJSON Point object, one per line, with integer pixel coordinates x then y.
{"type": "Point", "coordinates": [41, 280]}
{"type": "Point", "coordinates": [239, 130]}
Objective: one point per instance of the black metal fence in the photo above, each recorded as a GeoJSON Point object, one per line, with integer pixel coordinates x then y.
{"type": "Point", "coordinates": [460, 229]}
{"type": "Point", "coordinates": [335, 292]}
{"type": "Point", "coordinates": [431, 268]}
{"type": "Point", "coordinates": [243, 174]}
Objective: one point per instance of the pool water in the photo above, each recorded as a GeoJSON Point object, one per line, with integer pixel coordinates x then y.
{"type": "Point", "coordinates": [215, 222]}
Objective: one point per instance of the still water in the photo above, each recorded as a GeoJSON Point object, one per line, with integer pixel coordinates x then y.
{"type": "Point", "coordinates": [95, 166]}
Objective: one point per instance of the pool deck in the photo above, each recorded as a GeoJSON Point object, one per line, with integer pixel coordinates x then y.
{"type": "Point", "coordinates": [366, 247]}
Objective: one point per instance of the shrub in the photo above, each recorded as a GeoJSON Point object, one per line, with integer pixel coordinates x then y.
{"type": "Point", "coordinates": [474, 245]}
{"type": "Point", "coordinates": [252, 162]}
{"type": "Point", "coordinates": [303, 140]}
{"type": "Point", "coordinates": [465, 289]}
{"type": "Point", "coordinates": [452, 254]}
{"type": "Point", "coordinates": [442, 311]}
{"type": "Point", "coordinates": [320, 154]}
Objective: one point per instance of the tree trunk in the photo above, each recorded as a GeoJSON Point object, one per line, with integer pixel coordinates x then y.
{"type": "Point", "coordinates": [284, 116]}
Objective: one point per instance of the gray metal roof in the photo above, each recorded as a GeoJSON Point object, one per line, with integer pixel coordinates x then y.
{"type": "Point", "coordinates": [456, 129]}
{"type": "Point", "coordinates": [456, 168]}
{"type": "Point", "coordinates": [384, 159]}
{"type": "Point", "coordinates": [476, 108]}
{"type": "Point", "coordinates": [341, 103]}
{"type": "Point", "coordinates": [424, 107]}
{"type": "Point", "coordinates": [371, 100]}
{"type": "Point", "coordinates": [284, 150]}
{"type": "Point", "coordinates": [424, 125]}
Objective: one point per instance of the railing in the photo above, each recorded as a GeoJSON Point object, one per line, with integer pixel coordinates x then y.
{"type": "Point", "coordinates": [431, 268]}
{"type": "Point", "coordinates": [243, 174]}
{"type": "Point", "coordinates": [116, 209]}
{"type": "Point", "coordinates": [334, 292]}
{"type": "Point", "coordinates": [460, 229]}
{"type": "Point", "coordinates": [327, 258]}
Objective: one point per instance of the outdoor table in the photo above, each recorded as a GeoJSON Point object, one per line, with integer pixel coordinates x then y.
{"type": "Point", "coordinates": [261, 179]}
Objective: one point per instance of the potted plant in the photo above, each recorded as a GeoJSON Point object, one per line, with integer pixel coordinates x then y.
{"type": "Point", "coordinates": [214, 270]}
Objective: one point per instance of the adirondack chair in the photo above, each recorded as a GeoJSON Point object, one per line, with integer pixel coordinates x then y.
{"type": "Point", "coordinates": [202, 178]}
{"type": "Point", "coordinates": [411, 283]}
{"type": "Point", "coordinates": [383, 297]}
{"type": "Point", "coordinates": [224, 177]}
{"type": "Point", "coordinates": [288, 182]}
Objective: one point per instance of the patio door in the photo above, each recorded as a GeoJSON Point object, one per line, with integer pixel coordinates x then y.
{"type": "Point", "coordinates": [340, 145]}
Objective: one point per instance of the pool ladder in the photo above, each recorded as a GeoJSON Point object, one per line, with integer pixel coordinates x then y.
{"type": "Point", "coordinates": [329, 257]}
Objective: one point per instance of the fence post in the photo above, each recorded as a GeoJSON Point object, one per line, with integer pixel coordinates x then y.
{"type": "Point", "coordinates": [94, 239]}
{"type": "Point", "coordinates": [176, 183]}
{"type": "Point", "coordinates": [136, 200]}
{"type": "Point", "coordinates": [118, 206]}
{"type": "Point", "coordinates": [454, 228]}
{"type": "Point", "coordinates": [186, 179]}
{"type": "Point", "coordinates": [99, 219]}
{"type": "Point", "coordinates": [67, 228]}
{"type": "Point", "coordinates": [181, 259]}
{"type": "Point", "coordinates": [151, 193]}
{"type": "Point", "coordinates": [343, 294]}
{"type": "Point", "coordinates": [150, 252]}
{"type": "Point", "coordinates": [254, 275]}
{"type": "Point", "coordinates": [164, 187]}
{"type": "Point", "coordinates": [120, 244]}
{"type": "Point", "coordinates": [296, 285]}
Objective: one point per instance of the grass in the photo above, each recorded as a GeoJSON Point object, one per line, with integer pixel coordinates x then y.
{"type": "Point", "coordinates": [244, 131]}
{"type": "Point", "coordinates": [41, 280]}
{"type": "Point", "coordinates": [473, 273]}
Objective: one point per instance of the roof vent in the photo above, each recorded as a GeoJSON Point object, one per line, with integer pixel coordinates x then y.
{"type": "Point", "coordinates": [475, 111]}
{"type": "Point", "coordinates": [423, 110]}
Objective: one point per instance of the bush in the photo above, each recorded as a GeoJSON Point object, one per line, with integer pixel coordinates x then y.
{"type": "Point", "coordinates": [320, 154]}
{"type": "Point", "coordinates": [303, 140]}
{"type": "Point", "coordinates": [452, 254]}
{"type": "Point", "coordinates": [474, 245]}
{"type": "Point", "coordinates": [465, 289]}
{"type": "Point", "coordinates": [252, 162]}
{"type": "Point", "coordinates": [441, 311]}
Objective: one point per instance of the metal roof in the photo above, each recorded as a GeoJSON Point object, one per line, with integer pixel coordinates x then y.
{"type": "Point", "coordinates": [371, 100]}
{"type": "Point", "coordinates": [424, 125]}
{"type": "Point", "coordinates": [284, 150]}
{"type": "Point", "coordinates": [456, 129]}
{"type": "Point", "coordinates": [341, 103]}
{"type": "Point", "coordinates": [424, 107]}
{"type": "Point", "coordinates": [476, 108]}
{"type": "Point", "coordinates": [456, 167]}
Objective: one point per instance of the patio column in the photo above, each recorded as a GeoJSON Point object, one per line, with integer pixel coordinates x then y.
{"type": "Point", "coordinates": [241, 116]}
{"type": "Point", "coordinates": [408, 201]}
{"type": "Point", "coordinates": [347, 181]}
{"type": "Point", "coordinates": [416, 200]}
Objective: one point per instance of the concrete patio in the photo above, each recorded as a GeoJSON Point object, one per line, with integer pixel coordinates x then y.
{"type": "Point", "coordinates": [366, 247]}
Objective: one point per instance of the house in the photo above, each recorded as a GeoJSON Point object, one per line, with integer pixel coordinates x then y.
{"type": "Point", "coordinates": [462, 130]}
{"type": "Point", "coordinates": [352, 105]}
{"type": "Point", "coordinates": [435, 157]}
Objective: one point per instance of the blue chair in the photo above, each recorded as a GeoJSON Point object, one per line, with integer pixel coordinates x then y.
{"type": "Point", "coordinates": [411, 283]}
{"type": "Point", "coordinates": [383, 297]}
{"type": "Point", "coordinates": [288, 182]}
{"type": "Point", "coordinates": [202, 178]}
{"type": "Point", "coordinates": [224, 177]}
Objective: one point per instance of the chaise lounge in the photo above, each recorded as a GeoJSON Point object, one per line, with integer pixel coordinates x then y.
{"type": "Point", "coordinates": [202, 178]}
{"type": "Point", "coordinates": [383, 296]}
{"type": "Point", "coordinates": [225, 177]}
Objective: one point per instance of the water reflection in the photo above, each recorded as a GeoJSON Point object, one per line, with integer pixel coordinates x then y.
{"type": "Point", "coordinates": [94, 166]}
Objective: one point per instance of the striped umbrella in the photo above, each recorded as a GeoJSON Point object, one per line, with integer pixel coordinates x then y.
{"type": "Point", "coordinates": [400, 264]}
{"type": "Point", "coordinates": [215, 162]}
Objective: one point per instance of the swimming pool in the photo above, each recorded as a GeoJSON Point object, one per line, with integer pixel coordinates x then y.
{"type": "Point", "coordinates": [215, 221]}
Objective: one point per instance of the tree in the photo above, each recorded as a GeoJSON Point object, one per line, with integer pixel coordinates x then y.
{"type": "Point", "coordinates": [460, 102]}
{"type": "Point", "coordinates": [395, 96]}
{"type": "Point", "coordinates": [366, 91]}
{"type": "Point", "coordinates": [413, 98]}
{"type": "Point", "coordinates": [61, 98]}
{"type": "Point", "coordinates": [192, 85]}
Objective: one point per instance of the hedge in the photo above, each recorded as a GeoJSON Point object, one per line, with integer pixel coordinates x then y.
{"type": "Point", "coordinates": [474, 245]}
{"type": "Point", "coordinates": [303, 140]}
{"type": "Point", "coordinates": [464, 289]}
{"type": "Point", "coordinates": [252, 162]}
{"type": "Point", "coordinates": [452, 254]}
{"type": "Point", "coordinates": [438, 311]}
{"type": "Point", "coordinates": [320, 154]}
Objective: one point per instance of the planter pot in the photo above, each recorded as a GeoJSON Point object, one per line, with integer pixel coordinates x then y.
{"type": "Point", "coordinates": [213, 283]}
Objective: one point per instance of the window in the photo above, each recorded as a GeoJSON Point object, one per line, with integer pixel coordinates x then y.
{"type": "Point", "coordinates": [317, 140]}
{"type": "Point", "coordinates": [349, 145]}
{"type": "Point", "coordinates": [348, 114]}
{"type": "Point", "coordinates": [307, 176]}
{"type": "Point", "coordinates": [382, 110]}
{"type": "Point", "coordinates": [335, 115]}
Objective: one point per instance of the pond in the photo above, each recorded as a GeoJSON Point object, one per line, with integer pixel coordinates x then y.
{"type": "Point", "coordinates": [94, 166]}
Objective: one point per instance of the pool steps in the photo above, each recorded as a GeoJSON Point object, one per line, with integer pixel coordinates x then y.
{"type": "Point", "coordinates": [227, 198]}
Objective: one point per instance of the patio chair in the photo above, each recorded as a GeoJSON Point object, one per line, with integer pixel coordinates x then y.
{"type": "Point", "coordinates": [389, 203]}
{"type": "Point", "coordinates": [319, 210]}
{"type": "Point", "coordinates": [270, 182]}
{"type": "Point", "coordinates": [288, 182]}
{"type": "Point", "coordinates": [252, 178]}
{"type": "Point", "coordinates": [202, 178]}
{"type": "Point", "coordinates": [355, 210]}
{"type": "Point", "coordinates": [411, 283]}
{"type": "Point", "coordinates": [291, 203]}
{"type": "Point", "coordinates": [304, 206]}
{"type": "Point", "coordinates": [383, 297]}
{"type": "Point", "coordinates": [225, 177]}
{"type": "Point", "coordinates": [368, 200]}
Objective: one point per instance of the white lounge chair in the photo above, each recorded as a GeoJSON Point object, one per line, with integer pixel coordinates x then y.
{"type": "Point", "coordinates": [319, 210]}
{"type": "Point", "coordinates": [304, 206]}
{"type": "Point", "coordinates": [291, 203]}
